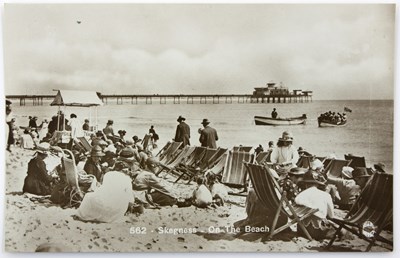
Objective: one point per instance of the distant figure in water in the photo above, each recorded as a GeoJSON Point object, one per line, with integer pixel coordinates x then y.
{"type": "Point", "coordinates": [155, 136]}
{"type": "Point", "coordinates": [274, 114]}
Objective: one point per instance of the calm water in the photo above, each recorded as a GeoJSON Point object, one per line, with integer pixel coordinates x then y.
{"type": "Point", "coordinates": [369, 131]}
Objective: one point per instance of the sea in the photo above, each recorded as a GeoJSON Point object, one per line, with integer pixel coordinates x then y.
{"type": "Point", "coordinates": [368, 132]}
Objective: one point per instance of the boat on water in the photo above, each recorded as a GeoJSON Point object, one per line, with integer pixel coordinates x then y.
{"type": "Point", "coordinates": [263, 120]}
{"type": "Point", "coordinates": [327, 123]}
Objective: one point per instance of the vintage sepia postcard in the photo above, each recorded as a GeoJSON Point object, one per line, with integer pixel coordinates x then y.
{"type": "Point", "coordinates": [198, 127]}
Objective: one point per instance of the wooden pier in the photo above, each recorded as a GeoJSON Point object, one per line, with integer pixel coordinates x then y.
{"type": "Point", "coordinates": [37, 100]}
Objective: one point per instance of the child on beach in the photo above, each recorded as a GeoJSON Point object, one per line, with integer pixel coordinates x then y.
{"type": "Point", "coordinates": [202, 197]}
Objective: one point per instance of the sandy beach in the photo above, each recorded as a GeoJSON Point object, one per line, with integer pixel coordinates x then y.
{"type": "Point", "coordinates": [29, 224]}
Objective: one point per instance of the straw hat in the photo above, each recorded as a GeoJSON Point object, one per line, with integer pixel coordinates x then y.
{"type": "Point", "coordinates": [96, 151]}
{"type": "Point", "coordinates": [380, 167]}
{"type": "Point", "coordinates": [126, 153]}
{"type": "Point", "coordinates": [286, 137]}
{"type": "Point", "coordinates": [129, 143]}
{"type": "Point", "coordinates": [102, 143]}
{"type": "Point", "coordinates": [43, 148]}
{"type": "Point", "coordinates": [316, 164]}
{"type": "Point", "coordinates": [297, 171]}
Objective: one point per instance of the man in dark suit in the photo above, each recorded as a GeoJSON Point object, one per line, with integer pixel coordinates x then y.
{"type": "Point", "coordinates": [208, 135]}
{"type": "Point", "coordinates": [182, 132]}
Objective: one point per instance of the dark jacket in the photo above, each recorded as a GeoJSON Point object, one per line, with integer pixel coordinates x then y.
{"type": "Point", "coordinates": [208, 137]}
{"type": "Point", "coordinates": [93, 169]}
{"type": "Point", "coordinates": [37, 181]}
{"type": "Point", "coordinates": [183, 134]}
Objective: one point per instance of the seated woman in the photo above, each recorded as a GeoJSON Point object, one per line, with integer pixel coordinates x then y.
{"type": "Point", "coordinates": [110, 201]}
{"type": "Point", "coordinates": [313, 197]}
{"type": "Point", "coordinates": [285, 155]}
{"type": "Point", "coordinates": [27, 140]}
{"type": "Point", "coordinates": [38, 181]}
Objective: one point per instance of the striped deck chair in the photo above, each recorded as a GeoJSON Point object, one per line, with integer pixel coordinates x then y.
{"type": "Point", "coordinates": [270, 194]}
{"type": "Point", "coordinates": [375, 207]}
{"type": "Point", "coordinates": [335, 167]}
{"type": "Point", "coordinates": [242, 148]}
{"type": "Point", "coordinates": [356, 161]}
{"type": "Point", "coordinates": [199, 167]}
{"type": "Point", "coordinates": [235, 173]}
{"type": "Point", "coordinates": [218, 167]}
{"type": "Point", "coordinates": [170, 153]}
{"type": "Point", "coordinates": [185, 152]}
{"type": "Point", "coordinates": [189, 161]}
{"type": "Point", "coordinates": [263, 157]}
{"type": "Point", "coordinates": [163, 149]}
{"type": "Point", "coordinates": [83, 143]}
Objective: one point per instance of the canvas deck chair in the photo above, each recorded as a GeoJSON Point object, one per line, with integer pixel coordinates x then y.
{"type": "Point", "coordinates": [71, 173]}
{"type": "Point", "coordinates": [146, 142]}
{"type": "Point", "coordinates": [167, 167]}
{"type": "Point", "coordinates": [263, 157]}
{"type": "Point", "coordinates": [84, 143]}
{"type": "Point", "coordinates": [356, 161]}
{"type": "Point", "coordinates": [242, 148]}
{"type": "Point", "coordinates": [375, 205]}
{"type": "Point", "coordinates": [218, 166]}
{"type": "Point", "coordinates": [189, 161]}
{"type": "Point", "coordinates": [335, 167]}
{"type": "Point", "coordinates": [163, 149]}
{"type": "Point", "coordinates": [197, 168]}
{"type": "Point", "coordinates": [270, 194]}
{"type": "Point", "coordinates": [170, 153]}
{"type": "Point", "coordinates": [235, 173]}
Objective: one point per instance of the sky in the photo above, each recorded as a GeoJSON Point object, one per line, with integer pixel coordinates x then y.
{"type": "Point", "coordinates": [339, 51]}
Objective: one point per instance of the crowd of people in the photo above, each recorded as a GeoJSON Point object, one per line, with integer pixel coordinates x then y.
{"type": "Point", "coordinates": [116, 165]}
{"type": "Point", "coordinates": [333, 117]}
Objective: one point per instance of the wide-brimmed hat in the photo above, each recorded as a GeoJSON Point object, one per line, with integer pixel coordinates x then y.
{"type": "Point", "coordinates": [129, 143]}
{"type": "Point", "coordinates": [43, 148]}
{"type": "Point", "coordinates": [205, 121]}
{"type": "Point", "coordinates": [313, 177]}
{"type": "Point", "coordinates": [297, 171]}
{"type": "Point", "coordinates": [102, 143]}
{"type": "Point", "coordinates": [110, 122]}
{"type": "Point", "coordinates": [180, 118]}
{"type": "Point", "coordinates": [316, 164]}
{"type": "Point", "coordinates": [286, 137]}
{"type": "Point", "coordinates": [359, 172]}
{"type": "Point", "coordinates": [347, 172]}
{"type": "Point", "coordinates": [96, 151]}
{"type": "Point", "coordinates": [126, 153]}
{"type": "Point", "coordinates": [380, 167]}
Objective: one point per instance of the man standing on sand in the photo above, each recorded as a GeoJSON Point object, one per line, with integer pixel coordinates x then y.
{"type": "Point", "coordinates": [208, 135]}
{"type": "Point", "coordinates": [182, 132]}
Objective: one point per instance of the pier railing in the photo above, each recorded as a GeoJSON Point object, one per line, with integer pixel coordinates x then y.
{"type": "Point", "coordinates": [176, 99]}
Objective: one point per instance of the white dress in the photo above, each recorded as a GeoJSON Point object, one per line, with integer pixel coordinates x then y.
{"type": "Point", "coordinates": [110, 201]}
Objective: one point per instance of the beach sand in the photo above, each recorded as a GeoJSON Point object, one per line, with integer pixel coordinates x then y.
{"type": "Point", "coordinates": [29, 224]}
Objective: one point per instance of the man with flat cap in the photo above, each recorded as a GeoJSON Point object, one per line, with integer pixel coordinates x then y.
{"type": "Point", "coordinates": [208, 136]}
{"type": "Point", "coordinates": [182, 132]}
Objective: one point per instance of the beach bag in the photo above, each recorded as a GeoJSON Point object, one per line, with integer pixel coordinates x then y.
{"type": "Point", "coordinates": [158, 198]}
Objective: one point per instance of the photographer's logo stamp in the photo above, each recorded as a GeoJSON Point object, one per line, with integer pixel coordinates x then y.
{"type": "Point", "coordinates": [368, 229]}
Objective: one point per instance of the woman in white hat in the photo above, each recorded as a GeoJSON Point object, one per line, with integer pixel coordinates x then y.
{"type": "Point", "coordinates": [38, 181]}
{"type": "Point", "coordinates": [285, 154]}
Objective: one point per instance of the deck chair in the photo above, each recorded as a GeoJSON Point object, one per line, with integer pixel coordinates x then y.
{"type": "Point", "coordinates": [184, 153]}
{"type": "Point", "coordinates": [170, 153]}
{"type": "Point", "coordinates": [219, 165]}
{"type": "Point", "coordinates": [146, 141]}
{"type": "Point", "coordinates": [356, 161]}
{"type": "Point", "coordinates": [270, 194]}
{"type": "Point", "coordinates": [263, 157]}
{"type": "Point", "coordinates": [335, 167]}
{"type": "Point", "coordinates": [163, 149]}
{"type": "Point", "coordinates": [71, 173]}
{"type": "Point", "coordinates": [189, 161]}
{"type": "Point", "coordinates": [83, 143]}
{"type": "Point", "coordinates": [375, 204]}
{"type": "Point", "coordinates": [191, 171]}
{"type": "Point", "coordinates": [242, 148]}
{"type": "Point", "coordinates": [235, 173]}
